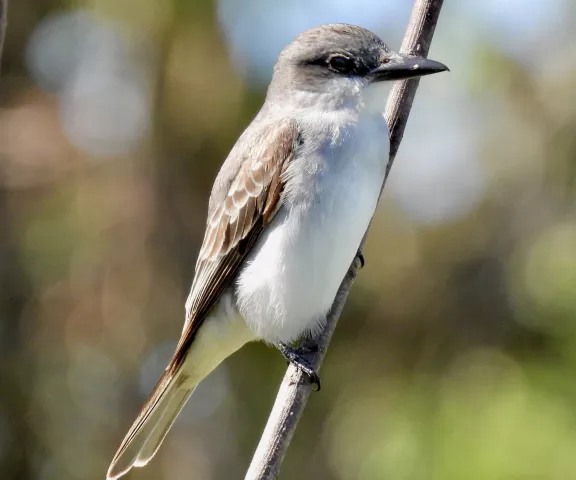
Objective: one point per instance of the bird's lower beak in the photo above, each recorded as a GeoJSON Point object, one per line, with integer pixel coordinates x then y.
{"type": "Point", "coordinates": [399, 67]}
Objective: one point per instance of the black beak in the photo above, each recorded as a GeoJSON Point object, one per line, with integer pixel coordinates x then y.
{"type": "Point", "coordinates": [399, 67]}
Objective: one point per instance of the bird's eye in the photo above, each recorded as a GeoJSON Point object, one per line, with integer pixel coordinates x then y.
{"type": "Point", "coordinates": [341, 64]}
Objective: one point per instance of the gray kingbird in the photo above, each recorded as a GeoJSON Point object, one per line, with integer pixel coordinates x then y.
{"type": "Point", "coordinates": [286, 215]}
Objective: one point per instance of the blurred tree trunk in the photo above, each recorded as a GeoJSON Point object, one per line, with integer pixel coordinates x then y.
{"type": "Point", "coordinates": [15, 375]}
{"type": "Point", "coordinates": [16, 449]}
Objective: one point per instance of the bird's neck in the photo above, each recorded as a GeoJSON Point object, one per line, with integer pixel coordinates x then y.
{"type": "Point", "coordinates": [344, 95]}
{"type": "Point", "coordinates": [328, 101]}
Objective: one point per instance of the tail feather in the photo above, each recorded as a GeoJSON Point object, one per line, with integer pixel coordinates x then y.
{"type": "Point", "coordinates": [163, 425]}
{"type": "Point", "coordinates": [217, 339]}
{"type": "Point", "coordinates": [150, 428]}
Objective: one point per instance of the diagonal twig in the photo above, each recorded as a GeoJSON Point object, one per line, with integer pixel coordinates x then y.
{"type": "Point", "coordinates": [295, 388]}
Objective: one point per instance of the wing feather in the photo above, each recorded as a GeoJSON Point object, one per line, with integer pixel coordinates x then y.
{"type": "Point", "coordinates": [238, 216]}
{"type": "Point", "coordinates": [236, 224]}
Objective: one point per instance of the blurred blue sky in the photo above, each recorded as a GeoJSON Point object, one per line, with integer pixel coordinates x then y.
{"type": "Point", "coordinates": [257, 30]}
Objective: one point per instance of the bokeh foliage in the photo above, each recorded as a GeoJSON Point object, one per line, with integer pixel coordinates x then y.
{"type": "Point", "coordinates": [454, 359]}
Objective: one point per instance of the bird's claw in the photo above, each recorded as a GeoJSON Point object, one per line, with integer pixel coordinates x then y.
{"type": "Point", "coordinates": [296, 356]}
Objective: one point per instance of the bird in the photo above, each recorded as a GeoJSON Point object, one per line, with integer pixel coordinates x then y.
{"type": "Point", "coordinates": [286, 215]}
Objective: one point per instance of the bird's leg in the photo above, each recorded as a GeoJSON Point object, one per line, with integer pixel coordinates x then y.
{"type": "Point", "coordinates": [297, 357]}
{"type": "Point", "coordinates": [360, 257]}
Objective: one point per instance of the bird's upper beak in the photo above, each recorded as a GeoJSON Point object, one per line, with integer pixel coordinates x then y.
{"type": "Point", "coordinates": [399, 67]}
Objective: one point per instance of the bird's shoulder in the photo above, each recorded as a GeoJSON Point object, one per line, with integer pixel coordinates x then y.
{"type": "Point", "coordinates": [264, 140]}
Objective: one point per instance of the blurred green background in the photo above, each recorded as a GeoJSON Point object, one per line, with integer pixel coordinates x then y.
{"type": "Point", "coordinates": [456, 355]}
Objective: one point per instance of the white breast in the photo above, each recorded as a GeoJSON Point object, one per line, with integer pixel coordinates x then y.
{"type": "Point", "coordinates": [291, 277]}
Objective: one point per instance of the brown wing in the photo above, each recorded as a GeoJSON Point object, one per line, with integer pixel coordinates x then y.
{"type": "Point", "coordinates": [236, 223]}
{"type": "Point", "coordinates": [246, 200]}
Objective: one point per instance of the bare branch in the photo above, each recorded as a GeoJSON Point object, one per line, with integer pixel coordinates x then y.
{"type": "Point", "coordinates": [294, 390]}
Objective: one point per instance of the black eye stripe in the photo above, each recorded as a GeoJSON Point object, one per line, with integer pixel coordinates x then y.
{"type": "Point", "coordinates": [341, 63]}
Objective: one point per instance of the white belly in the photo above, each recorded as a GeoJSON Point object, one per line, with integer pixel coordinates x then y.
{"type": "Point", "coordinates": [291, 277]}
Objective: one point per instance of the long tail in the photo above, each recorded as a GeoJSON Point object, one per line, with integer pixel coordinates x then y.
{"type": "Point", "coordinates": [150, 428]}
{"type": "Point", "coordinates": [218, 338]}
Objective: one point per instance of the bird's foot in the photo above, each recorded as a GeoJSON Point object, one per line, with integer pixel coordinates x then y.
{"type": "Point", "coordinates": [296, 356]}
{"type": "Point", "coordinates": [360, 257]}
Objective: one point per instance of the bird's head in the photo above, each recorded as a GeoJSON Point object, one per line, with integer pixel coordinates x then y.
{"type": "Point", "coordinates": [336, 62]}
